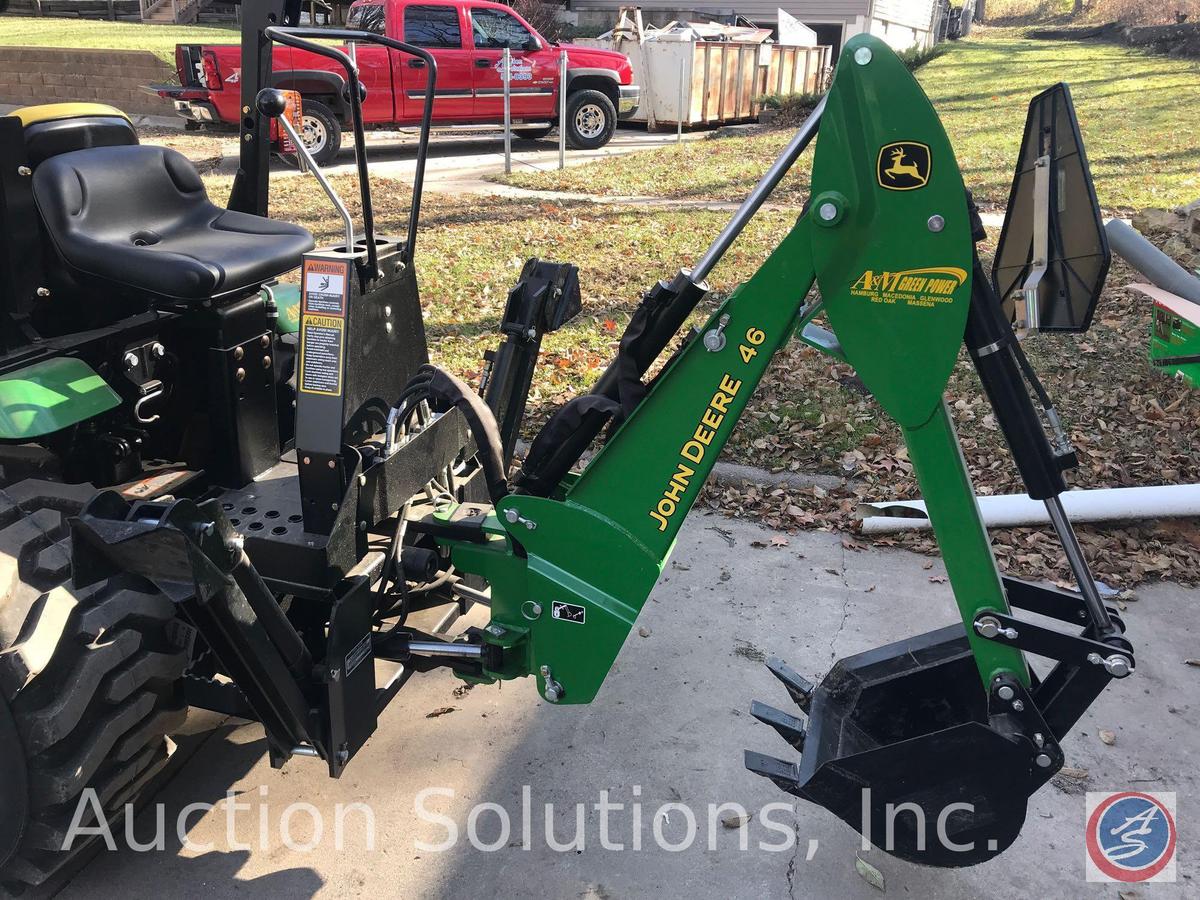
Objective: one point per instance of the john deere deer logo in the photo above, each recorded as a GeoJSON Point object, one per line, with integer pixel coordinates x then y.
{"type": "Point", "coordinates": [903, 166]}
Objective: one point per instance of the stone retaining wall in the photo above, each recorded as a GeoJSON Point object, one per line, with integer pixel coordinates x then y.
{"type": "Point", "coordinates": [32, 75]}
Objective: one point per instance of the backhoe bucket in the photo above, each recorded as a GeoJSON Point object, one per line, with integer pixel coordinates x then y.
{"type": "Point", "coordinates": [900, 747]}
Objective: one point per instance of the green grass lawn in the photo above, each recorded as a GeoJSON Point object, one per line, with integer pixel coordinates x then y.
{"type": "Point", "coordinates": [1135, 112]}
{"type": "Point", "coordinates": [23, 31]}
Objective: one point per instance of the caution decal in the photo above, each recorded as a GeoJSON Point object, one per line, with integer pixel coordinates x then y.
{"type": "Point", "coordinates": [323, 326]}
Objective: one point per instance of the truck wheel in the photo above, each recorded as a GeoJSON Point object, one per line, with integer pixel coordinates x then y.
{"type": "Point", "coordinates": [532, 134]}
{"type": "Point", "coordinates": [322, 133]}
{"type": "Point", "coordinates": [89, 686]}
{"type": "Point", "coordinates": [591, 120]}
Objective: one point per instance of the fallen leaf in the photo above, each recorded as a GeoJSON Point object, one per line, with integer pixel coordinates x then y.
{"type": "Point", "coordinates": [1192, 662]}
{"type": "Point", "coordinates": [869, 873]}
{"type": "Point", "coordinates": [1107, 737]}
{"type": "Point", "coordinates": [937, 579]}
{"type": "Point", "coordinates": [928, 565]}
{"type": "Point", "coordinates": [441, 711]}
{"type": "Point", "coordinates": [778, 541]}
{"type": "Point", "coordinates": [643, 631]}
{"type": "Point", "coordinates": [731, 820]}
{"type": "Point", "coordinates": [1073, 772]}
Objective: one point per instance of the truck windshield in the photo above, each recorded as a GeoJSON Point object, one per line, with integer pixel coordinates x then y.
{"type": "Point", "coordinates": [370, 18]}
{"type": "Point", "coordinates": [495, 29]}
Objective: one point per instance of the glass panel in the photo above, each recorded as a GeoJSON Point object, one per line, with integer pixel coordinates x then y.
{"type": "Point", "coordinates": [432, 26]}
{"type": "Point", "coordinates": [495, 30]}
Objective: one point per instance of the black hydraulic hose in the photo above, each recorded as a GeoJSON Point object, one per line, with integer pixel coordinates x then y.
{"type": "Point", "coordinates": [667, 305]}
{"type": "Point", "coordinates": [1031, 376]}
{"type": "Point", "coordinates": [296, 37]}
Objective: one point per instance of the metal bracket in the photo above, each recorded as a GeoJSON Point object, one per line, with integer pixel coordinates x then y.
{"type": "Point", "coordinates": [1117, 659]}
{"type": "Point", "coordinates": [1027, 313]}
{"type": "Point", "coordinates": [1013, 711]}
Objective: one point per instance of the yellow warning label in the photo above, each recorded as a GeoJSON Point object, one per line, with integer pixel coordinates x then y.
{"type": "Point", "coordinates": [911, 287]}
{"type": "Point", "coordinates": [321, 345]}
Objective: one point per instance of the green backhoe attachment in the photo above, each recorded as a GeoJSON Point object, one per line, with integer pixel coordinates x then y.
{"type": "Point", "coordinates": [951, 727]}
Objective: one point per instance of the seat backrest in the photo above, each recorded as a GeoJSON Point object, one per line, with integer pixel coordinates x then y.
{"type": "Point", "coordinates": [115, 193]}
{"type": "Point", "coordinates": [56, 128]}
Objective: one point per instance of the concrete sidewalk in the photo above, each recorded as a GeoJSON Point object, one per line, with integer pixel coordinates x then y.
{"type": "Point", "coordinates": [669, 727]}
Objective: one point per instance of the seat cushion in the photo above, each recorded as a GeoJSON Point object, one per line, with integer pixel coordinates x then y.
{"type": "Point", "coordinates": [62, 127]}
{"type": "Point", "coordinates": [139, 216]}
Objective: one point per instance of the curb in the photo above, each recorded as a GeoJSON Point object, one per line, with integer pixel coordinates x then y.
{"type": "Point", "coordinates": [736, 474]}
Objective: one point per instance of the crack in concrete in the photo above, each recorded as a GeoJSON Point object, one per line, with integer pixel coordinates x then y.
{"type": "Point", "coordinates": [845, 608]}
{"type": "Point", "coordinates": [790, 874]}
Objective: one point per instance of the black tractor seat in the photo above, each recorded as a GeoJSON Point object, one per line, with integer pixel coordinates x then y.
{"type": "Point", "coordinates": [139, 217]}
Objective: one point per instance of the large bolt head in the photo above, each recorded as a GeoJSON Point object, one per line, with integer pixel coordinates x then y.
{"type": "Point", "coordinates": [553, 693]}
{"type": "Point", "coordinates": [1117, 666]}
{"type": "Point", "coordinates": [714, 341]}
{"type": "Point", "coordinates": [1004, 692]}
{"type": "Point", "coordinates": [1043, 760]}
{"type": "Point", "coordinates": [987, 627]}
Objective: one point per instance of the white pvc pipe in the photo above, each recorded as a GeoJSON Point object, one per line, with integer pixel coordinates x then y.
{"type": "Point", "coordinates": [1009, 510]}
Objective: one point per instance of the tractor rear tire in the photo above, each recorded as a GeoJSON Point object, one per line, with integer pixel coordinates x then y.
{"type": "Point", "coordinates": [89, 686]}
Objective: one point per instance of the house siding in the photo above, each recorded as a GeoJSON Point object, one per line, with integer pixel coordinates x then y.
{"type": "Point", "coordinates": [757, 10]}
{"type": "Point", "coordinates": [915, 14]}
{"type": "Point", "coordinates": [900, 23]}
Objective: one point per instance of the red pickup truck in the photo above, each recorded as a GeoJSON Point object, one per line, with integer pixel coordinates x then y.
{"type": "Point", "coordinates": [467, 39]}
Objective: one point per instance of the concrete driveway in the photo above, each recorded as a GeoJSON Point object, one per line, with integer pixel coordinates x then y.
{"type": "Point", "coordinates": [668, 728]}
{"type": "Point", "coordinates": [460, 160]}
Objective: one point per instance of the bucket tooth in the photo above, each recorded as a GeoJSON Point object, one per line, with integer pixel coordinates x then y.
{"type": "Point", "coordinates": [797, 685]}
{"type": "Point", "coordinates": [789, 727]}
{"type": "Point", "coordinates": [785, 775]}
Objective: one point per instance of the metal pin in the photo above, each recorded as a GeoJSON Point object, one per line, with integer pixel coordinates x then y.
{"type": "Point", "coordinates": [714, 339]}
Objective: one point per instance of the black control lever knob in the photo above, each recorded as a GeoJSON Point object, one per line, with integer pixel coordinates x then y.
{"type": "Point", "coordinates": [271, 102]}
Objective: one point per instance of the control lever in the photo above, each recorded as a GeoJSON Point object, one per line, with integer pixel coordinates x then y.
{"type": "Point", "coordinates": [272, 103]}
